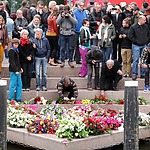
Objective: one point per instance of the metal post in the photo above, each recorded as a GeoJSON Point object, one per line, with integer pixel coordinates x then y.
{"type": "Point", "coordinates": [131, 113]}
{"type": "Point", "coordinates": [3, 115]}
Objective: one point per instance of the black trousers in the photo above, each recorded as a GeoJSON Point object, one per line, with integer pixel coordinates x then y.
{"type": "Point", "coordinates": [27, 74]}
{"type": "Point", "coordinates": [147, 76]}
{"type": "Point", "coordinates": [111, 82]}
{"type": "Point", "coordinates": [90, 73]}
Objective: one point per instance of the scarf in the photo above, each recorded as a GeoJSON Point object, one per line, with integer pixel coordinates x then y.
{"type": "Point", "coordinates": [15, 49]}
{"type": "Point", "coordinates": [87, 31]}
{"type": "Point", "coordinates": [24, 41]}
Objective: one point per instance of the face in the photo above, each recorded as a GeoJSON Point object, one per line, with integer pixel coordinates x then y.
{"type": "Point", "coordinates": [81, 6]}
{"type": "Point", "coordinates": [1, 21]}
{"type": "Point", "coordinates": [38, 35]}
{"type": "Point", "coordinates": [19, 14]}
{"type": "Point", "coordinates": [40, 6]}
{"type": "Point", "coordinates": [124, 24]}
{"type": "Point", "coordinates": [142, 20]}
{"type": "Point", "coordinates": [149, 50]}
{"type": "Point", "coordinates": [15, 45]}
{"type": "Point", "coordinates": [36, 21]}
{"type": "Point", "coordinates": [1, 7]}
{"type": "Point", "coordinates": [87, 24]}
{"type": "Point", "coordinates": [109, 66]}
{"type": "Point", "coordinates": [24, 35]}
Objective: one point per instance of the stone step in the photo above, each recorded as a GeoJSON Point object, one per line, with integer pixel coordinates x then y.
{"type": "Point", "coordinates": [53, 95]}
{"type": "Point", "coordinates": [81, 83]}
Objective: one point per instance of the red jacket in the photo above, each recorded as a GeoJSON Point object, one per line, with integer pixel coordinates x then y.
{"type": "Point", "coordinates": [52, 26]}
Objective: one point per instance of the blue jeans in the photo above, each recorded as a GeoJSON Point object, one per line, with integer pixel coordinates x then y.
{"type": "Point", "coordinates": [41, 62]}
{"type": "Point", "coordinates": [136, 53]}
{"type": "Point", "coordinates": [66, 39]}
{"type": "Point", "coordinates": [107, 53]}
{"type": "Point", "coordinates": [15, 85]}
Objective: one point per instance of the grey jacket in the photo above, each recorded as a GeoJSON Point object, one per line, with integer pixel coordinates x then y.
{"type": "Point", "coordinates": [110, 36]}
{"type": "Point", "coordinates": [66, 24]}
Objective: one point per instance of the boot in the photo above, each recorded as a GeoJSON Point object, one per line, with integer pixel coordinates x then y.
{"type": "Point", "coordinates": [62, 64]}
{"type": "Point", "coordinates": [51, 62]}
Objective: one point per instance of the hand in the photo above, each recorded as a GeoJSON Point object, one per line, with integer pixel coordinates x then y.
{"type": "Point", "coordinates": [124, 36]}
{"type": "Point", "coordinates": [93, 62]}
{"type": "Point", "coordinates": [102, 93]}
{"type": "Point", "coordinates": [34, 46]}
{"type": "Point", "coordinates": [17, 72]}
{"type": "Point", "coordinates": [120, 36]}
{"type": "Point", "coordinates": [72, 98]}
{"type": "Point", "coordinates": [21, 70]}
{"type": "Point", "coordinates": [29, 58]}
{"type": "Point", "coordinates": [98, 23]}
{"type": "Point", "coordinates": [120, 72]}
{"type": "Point", "coordinates": [144, 66]}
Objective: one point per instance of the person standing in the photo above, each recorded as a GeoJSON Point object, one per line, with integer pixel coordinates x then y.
{"type": "Point", "coordinates": [145, 63]}
{"type": "Point", "coordinates": [139, 34]}
{"type": "Point", "coordinates": [42, 51]}
{"type": "Point", "coordinates": [66, 22]}
{"type": "Point", "coordinates": [80, 14]}
{"type": "Point", "coordinates": [3, 40]}
{"type": "Point", "coordinates": [15, 72]}
{"type": "Point", "coordinates": [26, 55]}
{"type": "Point", "coordinates": [52, 35]}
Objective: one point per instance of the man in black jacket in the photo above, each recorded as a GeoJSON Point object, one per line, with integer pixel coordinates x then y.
{"type": "Point", "coordinates": [139, 34]}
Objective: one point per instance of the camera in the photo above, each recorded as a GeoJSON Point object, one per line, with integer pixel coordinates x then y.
{"type": "Point", "coordinates": [65, 14]}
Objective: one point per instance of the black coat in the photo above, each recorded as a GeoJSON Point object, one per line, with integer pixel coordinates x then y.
{"type": "Point", "coordinates": [14, 62]}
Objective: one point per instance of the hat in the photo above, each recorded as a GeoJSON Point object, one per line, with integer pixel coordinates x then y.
{"type": "Point", "coordinates": [148, 45]}
{"type": "Point", "coordinates": [136, 8]}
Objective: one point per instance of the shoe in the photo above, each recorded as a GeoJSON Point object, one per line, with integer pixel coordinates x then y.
{"type": "Point", "coordinates": [38, 89]}
{"type": "Point", "coordinates": [146, 89]}
{"type": "Point", "coordinates": [134, 77]}
{"type": "Point", "coordinates": [114, 88]}
{"type": "Point", "coordinates": [23, 89]}
{"type": "Point", "coordinates": [89, 87]}
{"type": "Point", "coordinates": [78, 62]}
{"type": "Point", "coordinates": [27, 89]}
{"type": "Point", "coordinates": [62, 64]}
{"type": "Point", "coordinates": [97, 88]}
{"type": "Point", "coordinates": [44, 88]}
{"type": "Point", "coordinates": [70, 64]}
{"type": "Point", "coordinates": [142, 77]}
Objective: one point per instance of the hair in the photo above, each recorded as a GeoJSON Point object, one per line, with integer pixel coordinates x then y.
{"type": "Point", "coordinates": [19, 10]}
{"type": "Point", "coordinates": [1, 3]}
{"type": "Point", "coordinates": [127, 21]}
{"type": "Point", "coordinates": [110, 62]}
{"type": "Point", "coordinates": [37, 16]}
{"type": "Point", "coordinates": [40, 3]}
{"type": "Point", "coordinates": [66, 80]}
{"type": "Point", "coordinates": [39, 30]}
{"type": "Point", "coordinates": [24, 31]}
{"type": "Point", "coordinates": [51, 3]}
{"type": "Point", "coordinates": [107, 19]}
{"type": "Point", "coordinates": [15, 41]}
{"type": "Point", "coordinates": [145, 4]}
{"type": "Point", "coordinates": [54, 12]}
{"type": "Point", "coordinates": [84, 21]}
{"type": "Point", "coordinates": [24, 3]}
{"type": "Point", "coordinates": [67, 7]}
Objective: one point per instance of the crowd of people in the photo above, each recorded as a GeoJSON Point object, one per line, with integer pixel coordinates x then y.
{"type": "Point", "coordinates": [115, 35]}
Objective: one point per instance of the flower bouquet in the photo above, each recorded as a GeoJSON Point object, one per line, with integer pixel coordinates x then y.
{"type": "Point", "coordinates": [42, 125]}
{"type": "Point", "coordinates": [65, 100]}
{"type": "Point", "coordinates": [144, 119]}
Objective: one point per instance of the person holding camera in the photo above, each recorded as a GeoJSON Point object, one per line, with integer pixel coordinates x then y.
{"type": "Point", "coordinates": [93, 59]}
{"type": "Point", "coordinates": [66, 22]}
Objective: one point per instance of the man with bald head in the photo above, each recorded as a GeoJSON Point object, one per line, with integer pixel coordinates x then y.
{"type": "Point", "coordinates": [139, 34]}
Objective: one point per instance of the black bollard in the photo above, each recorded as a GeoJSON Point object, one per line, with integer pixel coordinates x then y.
{"type": "Point", "coordinates": [131, 114]}
{"type": "Point", "coordinates": [3, 115]}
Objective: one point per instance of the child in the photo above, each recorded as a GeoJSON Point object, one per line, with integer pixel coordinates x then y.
{"type": "Point", "coordinates": [93, 58]}
{"type": "Point", "coordinates": [84, 41]}
{"type": "Point", "coordinates": [126, 46]}
{"type": "Point", "coordinates": [15, 72]}
{"type": "Point", "coordinates": [42, 51]}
